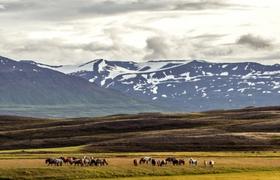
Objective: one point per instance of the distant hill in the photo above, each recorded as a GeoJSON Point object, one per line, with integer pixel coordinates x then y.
{"type": "Point", "coordinates": [25, 84]}
{"type": "Point", "coordinates": [250, 129]}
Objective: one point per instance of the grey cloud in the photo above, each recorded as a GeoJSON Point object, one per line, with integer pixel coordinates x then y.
{"type": "Point", "coordinates": [255, 42]}
{"type": "Point", "coordinates": [95, 46]}
{"type": "Point", "coordinates": [274, 56]}
{"type": "Point", "coordinates": [29, 46]}
{"type": "Point", "coordinates": [218, 52]}
{"type": "Point", "coordinates": [24, 5]}
{"type": "Point", "coordinates": [62, 50]}
{"type": "Point", "coordinates": [201, 5]}
{"type": "Point", "coordinates": [76, 9]}
{"type": "Point", "coordinates": [163, 46]}
{"type": "Point", "coordinates": [206, 5]}
{"type": "Point", "coordinates": [197, 47]}
{"type": "Point", "coordinates": [157, 48]}
{"type": "Point", "coordinates": [116, 7]}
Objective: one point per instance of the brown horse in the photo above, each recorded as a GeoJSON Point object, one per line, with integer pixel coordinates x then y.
{"type": "Point", "coordinates": [135, 162]}
{"type": "Point", "coordinates": [181, 162]}
{"type": "Point", "coordinates": [68, 160]}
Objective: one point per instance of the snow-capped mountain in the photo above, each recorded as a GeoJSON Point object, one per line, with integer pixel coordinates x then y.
{"type": "Point", "coordinates": [187, 85]}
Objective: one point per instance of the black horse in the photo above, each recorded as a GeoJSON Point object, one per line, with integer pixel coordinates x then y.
{"type": "Point", "coordinates": [154, 162]}
{"type": "Point", "coordinates": [170, 159]}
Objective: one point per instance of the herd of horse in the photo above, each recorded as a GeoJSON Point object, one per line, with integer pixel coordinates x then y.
{"type": "Point", "coordinates": [170, 160]}
{"type": "Point", "coordinates": [85, 161]}
{"type": "Point", "coordinates": [90, 161]}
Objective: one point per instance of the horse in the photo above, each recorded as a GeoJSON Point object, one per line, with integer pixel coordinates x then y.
{"type": "Point", "coordinates": [163, 163]}
{"type": "Point", "coordinates": [49, 161]}
{"type": "Point", "coordinates": [135, 162]}
{"type": "Point", "coordinates": [211, 163]}
{"type": "Point", "coordinates": [52, 161]}
{"type": "Point", "coordinates": [170, 159]}
{"type": "Point", "coordinates": [154, 162]}
{"type": "Point", "coordinates": [145, 160]}
{"type": "Point", "coordinates": [205, 163]}
{"type": "Point", "coordinates": [58, 162]}
{"type": "Point", "coordinates": [175, 162]}
{"type": "Point", "coordinates": [193, 162]}
{"type": "Point", "coordinates": [78, 162]}
{"type": "Point", "coordinates": [181, 162]}
{"type": "Point", "coordinates": [101, 162]}
{"type": "Point", "coordinates": [92, 162]}
{"type": "Point", "coordinates": [67, 160]}
{"type": "Point", "coordinates": [104, 162]}
{"type": "Point", "coordinates": [98, 162]}
{"type": "Point", "coordinates": [86, 161]}
{"type": "Point", "coordinates": [158, 162]}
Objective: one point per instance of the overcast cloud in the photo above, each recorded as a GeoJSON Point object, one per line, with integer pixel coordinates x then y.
{"type": "Point", "coordinates": [255, 42]}
{"type": "Point", "coordinates": [76, 31]}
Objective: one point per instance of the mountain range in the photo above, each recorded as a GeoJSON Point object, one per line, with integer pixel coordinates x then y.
{"type": "Point", "coordinates": [186, 85]}
{"type": "Point", "coordinates": [26, 85]}
{"type": "Point", "coordinates": [164, 85]}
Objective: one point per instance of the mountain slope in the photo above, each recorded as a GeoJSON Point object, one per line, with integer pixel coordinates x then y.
{"type": "Point", "coordinates": [188, 85]}
{"type": "Point", "coordinates": [24, 83]}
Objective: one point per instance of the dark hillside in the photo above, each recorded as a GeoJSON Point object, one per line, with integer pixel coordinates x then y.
{"type": "Point", "coordinates": [244, 129]}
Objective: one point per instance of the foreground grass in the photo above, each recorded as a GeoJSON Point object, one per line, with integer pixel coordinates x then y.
{"type": "Point", "coordinates": [120, 172]}
{"type": "Point", "coordinates": [29, 164]}
{"type": "Point", "coordinates": [273, 175]}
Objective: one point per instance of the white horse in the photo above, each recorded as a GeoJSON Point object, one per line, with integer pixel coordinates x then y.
{"type": "Point", "coordinates": [86, 161]}
{"type": "Point", "coordinates": [193, 162]}
{"type": "Point", "coordinates": [145, 160]}
{"type": "Point", "coordinates": [210, 163]}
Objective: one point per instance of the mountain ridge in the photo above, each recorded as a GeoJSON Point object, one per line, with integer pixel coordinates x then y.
{"type": "Point", "coordinates": [184, 85]}
{"type": "Point", "coordinates": [24, 84]}
{"type": "Point", "coordinates": [165, 81]}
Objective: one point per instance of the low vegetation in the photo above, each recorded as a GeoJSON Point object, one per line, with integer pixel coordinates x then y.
{"type": "Point", "coordinates": [251, 129]}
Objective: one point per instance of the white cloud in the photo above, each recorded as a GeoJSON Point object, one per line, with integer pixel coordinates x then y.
{"type": "Point", "coordinates": [73, 31]}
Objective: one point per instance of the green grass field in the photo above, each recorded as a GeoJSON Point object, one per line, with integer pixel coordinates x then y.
{"type": "Point", "coordinates": [29, 164]}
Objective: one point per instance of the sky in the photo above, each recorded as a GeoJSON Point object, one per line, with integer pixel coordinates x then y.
{"type": "Point", "coordinates": [76, 31]}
